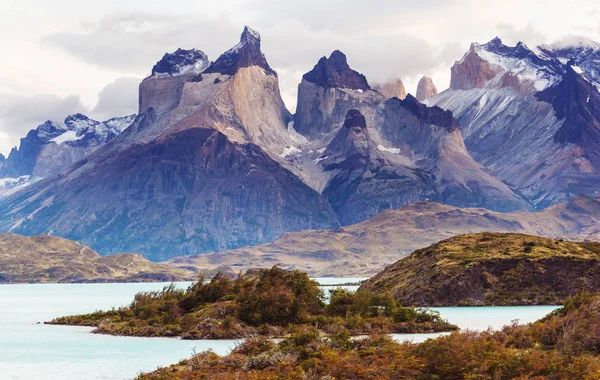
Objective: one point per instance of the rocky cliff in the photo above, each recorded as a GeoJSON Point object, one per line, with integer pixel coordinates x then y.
{"type": "Point", "coordinates": [328, 92]}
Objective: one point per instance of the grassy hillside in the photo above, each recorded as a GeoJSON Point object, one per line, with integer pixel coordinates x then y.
{"type": "Point", "coordinates": [492, 269]}
{"type": "Point", "coordinates": [366, 248]}
{"type": "Point", "coordinates": [563, 345]}
{"type": "Point", "coordinates": [35, 259]}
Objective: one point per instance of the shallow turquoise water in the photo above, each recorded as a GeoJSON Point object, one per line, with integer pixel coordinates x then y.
{"type": "Point", "coordinates": [29, 350]}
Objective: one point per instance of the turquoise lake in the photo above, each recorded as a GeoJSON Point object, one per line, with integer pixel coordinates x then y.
{"type": "Point", "coordinates": [31, 350]}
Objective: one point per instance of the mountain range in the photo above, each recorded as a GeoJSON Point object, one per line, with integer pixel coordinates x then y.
{"type": "Point", "coordinates": [213, 161]}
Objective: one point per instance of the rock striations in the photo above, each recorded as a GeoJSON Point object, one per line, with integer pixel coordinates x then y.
{"type": "Point", "coordinates": [530, 117]}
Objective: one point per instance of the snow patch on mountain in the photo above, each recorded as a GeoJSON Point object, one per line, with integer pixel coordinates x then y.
{"type": "Point", "coordinates": [389, 150]}
{"type": "Point", "coordinates": [67, 136]}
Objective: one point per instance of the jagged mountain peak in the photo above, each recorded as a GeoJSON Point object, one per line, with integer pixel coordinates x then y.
{"type": "Point", "coordinates": [250, 35]}
{"type": "Point", "coordinates": [496, 65]}
{"type": "Point", "coordinates": [355, 119]}
{"type": "Point", "coordinates": [426, 88]}
{"type": "Point", "coordinates": [245, 54]}
{"type": "Point", "coordinates": [335, 72]}
{"type": "Point", "coordinates": [431, 115]}
{"type": "Point", "coordinates": [393, 88]}
{"type": "Point", "coordinates": [180, 62]}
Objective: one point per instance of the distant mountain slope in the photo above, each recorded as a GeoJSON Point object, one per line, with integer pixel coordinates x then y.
{"type": "Point", "coordinates": [45, 258]}
{"type": "Point", "coordinates": [492, 269]}
{"type": "Point", "coordinates": [54, 146]}
{"type": "Point", "coordinates": [365, 248]}
{"type": "Point", "coordinates": [531, 116]}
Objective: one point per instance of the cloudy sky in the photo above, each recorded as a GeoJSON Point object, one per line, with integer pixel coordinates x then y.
{"type": "Point", "coordinates": [66, 56]}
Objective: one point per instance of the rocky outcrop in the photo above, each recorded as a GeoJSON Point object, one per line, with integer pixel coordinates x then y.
{"type": "Point", "coordinates": [181, 62]}
{"type": "Point", "coordinates": [246, 53]}
{"type": "Point", "coordinates": [392, 89]}
{"type": "Point", "coordinates": [334, 72]}
{"type": "Point", "coordinates": [425, 89]}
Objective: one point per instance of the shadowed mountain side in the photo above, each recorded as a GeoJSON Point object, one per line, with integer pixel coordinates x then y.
{"type": "Point", "coordinates": [192, 192]}
{"type": "Point", "coordinates": [365, 248]}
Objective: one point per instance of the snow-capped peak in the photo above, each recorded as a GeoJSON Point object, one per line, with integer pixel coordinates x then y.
{"type": "Point", "coordinates": [181, 62]}
{"type": "Point", "coordinates": [79, 127]}
{"type": "Point", "coordinates": [245, 53]}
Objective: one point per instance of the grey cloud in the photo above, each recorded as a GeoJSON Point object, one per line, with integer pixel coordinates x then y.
{"type": "Point", "coordinates": [134, 42]}
{"type": "Point", "coordinates": [118, 98]}
{"type": "Point", "coordinates": [528, 34]}
{"type": "Point", "coordinates": [19, 114]}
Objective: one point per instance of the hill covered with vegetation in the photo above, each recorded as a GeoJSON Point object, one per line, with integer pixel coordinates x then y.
{"type": "Point", "coordinates": [43, 258]}
{"type": "Point", "coordinates": [270, 302]}
{"type": "Point", "coordinates": [563, 345]}
{"type": "Point", "coordinates": [492, 269]}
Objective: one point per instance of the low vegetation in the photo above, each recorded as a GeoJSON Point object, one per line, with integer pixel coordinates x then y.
{"type": "Point", "coordinates": [51, 259]}
{"type": "Point", "coordinates": [563, 345]}
{"type": "Point", "coordinates": [492, 269]}
{"type": "Point", "coordinates": [271, 302]}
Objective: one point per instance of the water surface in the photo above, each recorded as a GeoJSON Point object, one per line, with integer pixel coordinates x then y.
{"type": "Point", "coordinates": [31, 350]}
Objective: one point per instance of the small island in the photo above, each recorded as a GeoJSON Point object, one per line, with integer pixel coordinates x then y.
{"type": "Point", "coordinates": [267, 302]}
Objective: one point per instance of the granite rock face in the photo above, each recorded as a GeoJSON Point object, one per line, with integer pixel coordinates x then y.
{"type": "Point", "coordinates": [328, 92]}
{"type": "Point", "coordinates": [392, 89]}
{"type": "Point", "coordinates": [426, 89]}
